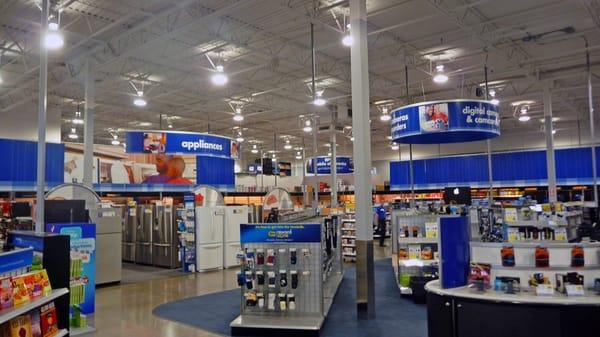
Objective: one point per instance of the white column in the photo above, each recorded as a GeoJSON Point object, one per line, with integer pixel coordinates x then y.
{"type": "Point", "coordinates": [88, 127]}
{"type": "Point", "coordinates": [334, 191]}
{"type": "Point", "coordinates": [42, 105]}
{"type": "Point", "coordinates": [549, 143]}
{"type": "Point", "coordinates": [365, 294]}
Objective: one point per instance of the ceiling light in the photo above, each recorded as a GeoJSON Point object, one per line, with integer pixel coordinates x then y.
{"type": "Point", "coordinates": [319, 101]}
{"type": "Point", "coordinates": [115, 142]}
{"type": "Point", "coordinates": [347, 40]}
{"type": "Point", "coordinates": [219, 78]}
{"type": "Point", "coordinates": [170, 126]}
{"type": "Point", "coordinates": [145, 124]}
{"type": "Point", "coordinates": [495, 101]}
{"type": "Point", "coordinates": [307, 126]}
{"type": "Point", "coordinates": [254, 149]}
{"type": "Point", "coordinates": [53, 39]}
{"type": "Point", "coordinates": [140, 93]}
{"type": "Point", "coordinates": [73, 134]}
{"type": "Point", "coordinates": [238, 117]}
{"type": "Point", "coordinates": [287, 145]}
{"type": "Point", "coordinates": [77, 121]}
{"type": "Point", "coordinates": [328, 154]}
{"type": "Point", "coordinates": [139, 102]}
{"type": "Point", "coordinates": [518, 103]}
{"type": "Point", "coordinates": [299, 157]}
{"type": "Point", "coordinates": [554, 119]}
{"type": "Point", "coordinates": [385, 117]}
{"type": "Point", "coordinates": [388, 137]}
{"type": "Point", "coordinates": [553, 131]}
{"type": "Point", "coordinates": [352, 138]}
{"type": "Point", "coordinates": [395, 147]}
{"type": "Point", "coordinates": [439, 76]}
{"type": "Point", "coordinates": [523, 110]}
{"type": "Point", "coordinates": [524, 118]}
{"type": "Point", "coordinates": [493, 93]}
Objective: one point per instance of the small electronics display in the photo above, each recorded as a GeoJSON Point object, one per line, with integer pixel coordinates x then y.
{"type": "Point", "coordinates": [457, 195]}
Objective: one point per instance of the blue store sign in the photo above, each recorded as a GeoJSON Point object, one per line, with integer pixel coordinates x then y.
{"type": "Point", "coordinates": [344, 165]}
{"type": "Point", "coordinates": [200, 144]}
{"type": "Point", "coordinates": [275, 232]}
{"type": "Point", "coordinates": [440, 122]}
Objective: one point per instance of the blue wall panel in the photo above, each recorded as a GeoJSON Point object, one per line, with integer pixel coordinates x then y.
{"type": "Point", "coordinates": [20, 164]}
{"type": "Point", "coordinates": [214, 171]}
{"type": "Point", "coordinates": [573, 165]}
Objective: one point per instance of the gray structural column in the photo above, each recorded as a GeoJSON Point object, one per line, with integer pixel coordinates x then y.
{"type": "Point", "coordinates": [88, 127]}
{"type": "Point", "coordinates": [592, 126]}
{"type": "Point", "coordinates": [42, 106]}
{"type": "Point", "coordinates": [359, 64]}
{"type": "Point", "coordinates": [314, 120]}
{"type": "Point", "coordinates": [334, 190]}
{"type": "Point", "coordinates": [549, 143]}
{"type": "Point", "coordinates": [411, 176]}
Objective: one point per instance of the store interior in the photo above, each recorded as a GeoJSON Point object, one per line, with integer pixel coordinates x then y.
{"type": "Point", "coordinates": [299, 168]}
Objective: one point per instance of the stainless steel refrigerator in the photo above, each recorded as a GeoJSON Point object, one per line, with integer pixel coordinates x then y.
{"type": "Point", "coordinates": [165, 250]}
{"type": "Point", "coordinates": [145, 225]}
{"type": "Point", "coordinates": [129, 230]}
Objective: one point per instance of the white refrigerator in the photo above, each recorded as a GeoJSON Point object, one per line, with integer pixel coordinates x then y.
{"type": "Point", "coordinates": [210, 222]}
{"type": "Point", "coordinates": [235, 215]}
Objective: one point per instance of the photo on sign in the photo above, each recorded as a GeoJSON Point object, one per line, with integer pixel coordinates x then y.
{"type": "Point", "coordinates": [235, 150]}
{"type": "Point", "coordinates": [154, 142]}
{"type": "Point", "coordinates": [434, 117]}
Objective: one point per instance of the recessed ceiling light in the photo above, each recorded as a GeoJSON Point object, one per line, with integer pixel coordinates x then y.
{"type": "Point", "coordinates": [524, 118]}
{"type": "Point", "coordinates": [385, 117]}
{"type": "Point", "coordinates": [145, 124]}
{"type": "Point", "coordinates": [439, 76]}
{"type": "Point", "coordinates": [53, 40]}
{"type": "Point", "coordinates": [525, 102]}
{"type": "Point", "coordinates": [219, 78]}
{"type": "Point", "coordinates": [140, 102]}
{"type": "Point", "coordinates": [495, 101]}
{"type": "Point", "coordinates": [347, 40]}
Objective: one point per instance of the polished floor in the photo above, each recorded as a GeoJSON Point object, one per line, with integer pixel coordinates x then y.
{"type": "Point", "coordinates": [126, 310]}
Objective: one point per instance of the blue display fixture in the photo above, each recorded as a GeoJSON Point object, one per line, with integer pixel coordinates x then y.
{"type": "Point", "coordinates": [17, 259]}
{"type": "Point", "coordinates": [454, 251]}
{"type": "Point", "coordinates": [451, 121]}
{"type": "Point", "coordinates": [20, 165]}
{"type": "Point", "coordinates": [344, 165]}
{"type": "Point", "coordinates": [216, 172]}
{"type": "Point", "coordinates": [276, 232]}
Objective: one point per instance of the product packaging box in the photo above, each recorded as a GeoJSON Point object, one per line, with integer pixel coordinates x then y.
{"type": "Point", "coordinates": [6, 293]}
{"type": "Point", "coordinates": [20, 292]}
{"type": "Point", "coordinates": [414, 251]}
{"type": "Point", "coordinates": [431, 230]}
{"type": "Point", "coordinates": [21, 326]}
{"type": "Point", "coordinates": [48, 320]}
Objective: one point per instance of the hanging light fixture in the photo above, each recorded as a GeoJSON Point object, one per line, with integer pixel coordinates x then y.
{"type": "Point", "coordinates": [73, 134]}
{"type": "Point", "coordinates": [219, 77]}
{"type": "Point", "coordinates": [395, 146]}
{"type": "Point", "coordinates": [53, 39]}
{"type": "Point", "coordinates": [254, 148]}
{"type": "Point", "coordinates": [274, 157]}
{"type": "Point", "coordinates": [238, 117]}
{"type": "Point", "coordinates": [319, 100]}
{"type": "Point", "coordinates": [240, 138]}
{"type": "Point", "coordinates": [287, 145]}
{"type": "Point", "coordinates": [307, 126]}
{"type": "Point", "coordinates": [77, 120]}
{"type": "Point", "coordinates": [347, 40]}
{"type": "Point", "coordinates": [385, 116]}
{"type": "Point", "coordinates": [298, 155]}
{"type": "Point", "coordinates": [115, 140]}
{"type": "Point", "coordinates": [140, 101]}
{"type": "Point", "coordinates": [524, 117]}
{"type": "Point", "coordinates": [439, 76]}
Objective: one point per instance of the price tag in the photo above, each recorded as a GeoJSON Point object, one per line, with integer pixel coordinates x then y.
{"type": "Point", "coordinates": [574, 290]}
{"type": "Point", "coordinates": [544, 290]}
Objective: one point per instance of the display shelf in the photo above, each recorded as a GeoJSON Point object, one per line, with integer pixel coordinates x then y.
{"type": "Point", "coordinates": [417, 262]}
{"type": "Point", "coordinates": [10, 313]}
{"type": "Point", "coordinates": [82, 331]}
{"type": "Point", "coordinates": [349, 254]}
{"type": "Point", "coordinates": [348, 245]}
{"type": "Point", "coordinates": [417, 240]}
{"type": "Point", "coordinates": [533, 244]}
{"type": "Point", "coordinates": [550, 268]}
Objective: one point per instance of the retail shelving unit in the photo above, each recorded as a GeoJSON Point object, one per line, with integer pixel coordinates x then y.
{"type": "Point", "coordinates": [349, 239]}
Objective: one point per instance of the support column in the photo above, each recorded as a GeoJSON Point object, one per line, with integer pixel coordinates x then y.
{"type": "Point", "coordinates": [314, 120]}
{"type": "Point", "coordinates": [592, 126]}
{"type": "Point", "coordinates": [488, 144]}
{"type": "Point", "coordinates": [42, 105]}
{"type": "Point", "coordinates": [411, 177]}
{"type": "Point", "coordinates": [334, 190]}
{"type": "Point", "coordinates": [549, 143]}
{"type": "Point", "coordinates": [304, 185]}
{"type": "Point", "coordinates": [88, 127]}
{"type": "Point", "coordinates": [359, 64]}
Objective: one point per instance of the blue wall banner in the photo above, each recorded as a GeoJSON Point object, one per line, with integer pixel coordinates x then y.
{"type": "Point", "coordinates": [521, 168]}
{"type": "Point", "coordinates": [83, 263]}
{"type": "Point", "coordinates": [344, 165]}
{"type": "Point", "coordinates": [439, 122]}
{"type": "Point", "coordinates": [20, 162]}
{"type": "Point", "coordinates": [172, 142]}
{"type": "Point", "coordinates": [275, 232]}
{"type": "Point", "coordinates": [216, 172]}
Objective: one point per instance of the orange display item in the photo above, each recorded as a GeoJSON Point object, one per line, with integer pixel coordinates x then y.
{"type": "Point", "coordinates": [542, 257]}
{"type": "Point", "coordinates": [20, 292]}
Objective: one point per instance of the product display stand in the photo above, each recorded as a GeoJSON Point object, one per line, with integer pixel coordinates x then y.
{"type": "Point", "coordinates": [349, 239]}
{"type": "Point", "coordinates": [415, 248]}
{"type": "Point", "coordinates": [289, 276]}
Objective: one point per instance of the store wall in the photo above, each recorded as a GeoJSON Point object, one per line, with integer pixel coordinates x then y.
{"type": "Point", "coordinates": [21, 123]}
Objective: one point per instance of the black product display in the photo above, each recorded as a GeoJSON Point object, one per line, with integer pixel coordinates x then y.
{"type": "Point", "coordinates": [294, 276]}
{"type": "Point", "coordinates": [334, 229]}
{"type": "Point", "coordinates": [65, 211]}
{"type": "Point", "coordinates": [457, 195]}
{"type": "Point", "coordinates": [260, 278]}
{"type": "Point", "coordinates": [20, 209]}
{"type": "Point", "coordinates": [328, 236]}
{"type": "Point", "coordinates": [283, 282]}
{"type": "Point", "coordinates": [241, 279]}
{"type": "Point", "coordinates": [293, 256]}
{"type": "Point", "coordinates": [273, 216]}
{"type": "Point", "coordinates": [249, 281]}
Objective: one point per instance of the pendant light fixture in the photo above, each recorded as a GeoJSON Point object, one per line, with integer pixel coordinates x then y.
{"type": "Point", "coordinates": [440, 77]}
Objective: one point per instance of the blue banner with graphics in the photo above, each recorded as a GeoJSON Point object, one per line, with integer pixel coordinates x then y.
{"type": "Point", "coordinates": [83, 263]}
{"type": "Point", "coordinates": [441, 122]}
{"type": "Point", "coordinates": [275, 232]}
{"type": "Point", "coordinates": [344, 165]}
{"type": "Point", "coordinates": [200, 144]}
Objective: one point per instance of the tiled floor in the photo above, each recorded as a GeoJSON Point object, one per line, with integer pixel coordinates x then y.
{"type": "Point", "coordinates": [126, 310]}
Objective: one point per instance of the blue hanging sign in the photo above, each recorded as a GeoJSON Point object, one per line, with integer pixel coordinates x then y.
{"type": "Point", "coordinates": [344, 165]}
{"type": "Point", "coordinates": [276, 232]}
{"type": "Point", "coordinates": [441, 122]}
{"type": "Point", "coordinates": [172, 142]}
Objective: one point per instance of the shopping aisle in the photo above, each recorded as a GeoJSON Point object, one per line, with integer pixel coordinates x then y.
{"type": "Point", "coordinates": [126, 309]}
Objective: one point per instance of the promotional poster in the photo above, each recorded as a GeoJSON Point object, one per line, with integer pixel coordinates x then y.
{"type": "Point", "coordinates": [260, 233]}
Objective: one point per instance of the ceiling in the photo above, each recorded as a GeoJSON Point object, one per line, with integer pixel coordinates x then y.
{"type": "Point", "coordinates": [265, 48]}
